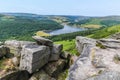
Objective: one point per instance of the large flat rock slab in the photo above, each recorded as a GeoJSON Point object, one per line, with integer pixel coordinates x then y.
{"type": "Point", "coordinates": [43, 41]}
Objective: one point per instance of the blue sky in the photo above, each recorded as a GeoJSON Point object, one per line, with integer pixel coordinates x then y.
{"type": "Point", "coordinates": [62, 7]}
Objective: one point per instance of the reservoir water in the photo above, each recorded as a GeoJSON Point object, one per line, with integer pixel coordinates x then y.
{"type": "Point", "coordinates": [66, 29]}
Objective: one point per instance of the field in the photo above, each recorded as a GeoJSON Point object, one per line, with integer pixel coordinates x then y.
{"type": "Point", "coordinates": [69, 46]}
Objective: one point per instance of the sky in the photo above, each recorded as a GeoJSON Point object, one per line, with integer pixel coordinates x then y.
{"type": "Point", "coordinates": [62, 7]}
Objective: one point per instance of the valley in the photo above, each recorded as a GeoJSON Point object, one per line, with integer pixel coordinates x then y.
{"type": "Point", "coordinates": [23, 25]}
{"type": "Point", "coordinates": [47, 45]}
{"type": "Point", "coordinates": [61, 29]}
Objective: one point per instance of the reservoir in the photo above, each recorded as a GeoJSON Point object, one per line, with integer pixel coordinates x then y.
{"type": "Point", "coordinates": [66, 29]}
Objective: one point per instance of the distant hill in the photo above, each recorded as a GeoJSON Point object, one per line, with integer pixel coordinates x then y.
{"type": "Point", "coordinates": [23, 25]}
{"type": "Point", "coordinates": [21, 14]}
{"type": "Point", "coordinates": [67, 19]}
{"type": "Point", "coordinates": [83, 21]}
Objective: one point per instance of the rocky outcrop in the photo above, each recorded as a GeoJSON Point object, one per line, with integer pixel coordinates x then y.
{"type": "Point", "coordinates": [98, 60]}
{"type": "Point", "coordinates": [97, 57]}
{"type": "Point", "coordinates": [33, 61]}
{"type": "Point", "coordinates": [33, 57]}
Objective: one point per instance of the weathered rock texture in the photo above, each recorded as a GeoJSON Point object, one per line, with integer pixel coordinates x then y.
{"type": "Point", "coordinates": [41, 75]}
{"type": "Point", "coordinates": [54, 68]}
{"type": "Point", "coordinates": [82, 42]}
{"type": "Point", "coordinates": [15, 61]}
{"type": "Point", "coordinates": [56, 50]}
{"type": "Point", "coordinates": [16, 46]}
{"type": "Point", "coordinates": [111, 75]}
{"type": "Point", "coordinates": [95, 59]}
{"type": "Point", "coordinates": [115, 36]}
{"type": "Point", "coordinates": [15, 75]}
{"type": "Point", "coordinates": [110, 43]}
{"type": "Point", "coordinates": [34, 57]}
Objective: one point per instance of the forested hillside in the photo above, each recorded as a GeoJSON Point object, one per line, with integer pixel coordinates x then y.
{"type": "Point", "coordinates": [23, 27]}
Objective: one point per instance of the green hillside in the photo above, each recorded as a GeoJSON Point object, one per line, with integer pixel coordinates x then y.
{"type": "Point", "coordinates": [69, 46]}
{"type": "Point", "coordinates": [23, 27]}
{"type": "Point", "coordinates": [106, 32]}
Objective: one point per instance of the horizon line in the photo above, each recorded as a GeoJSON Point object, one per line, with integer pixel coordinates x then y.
{"type": "Point", "coordinates": [55, 14]}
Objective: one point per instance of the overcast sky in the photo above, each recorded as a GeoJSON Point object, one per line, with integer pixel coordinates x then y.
{"type": "Point", "coordinates": [62, 7]}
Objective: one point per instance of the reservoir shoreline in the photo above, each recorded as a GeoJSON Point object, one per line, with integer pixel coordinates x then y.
{"type": "Point", "coordinates": [66, 29]}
